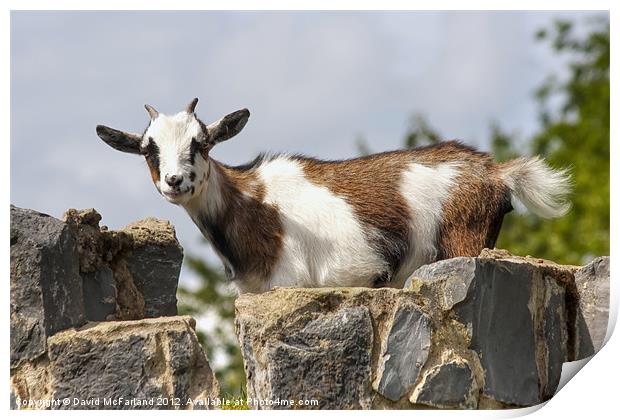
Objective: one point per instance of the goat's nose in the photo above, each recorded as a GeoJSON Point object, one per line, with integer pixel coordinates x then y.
{"type": "Point", "coordinates": [174, 180]}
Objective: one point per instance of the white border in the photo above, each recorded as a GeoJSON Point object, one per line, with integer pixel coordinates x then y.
{"type": "Point", "coordinates": [592, 394]}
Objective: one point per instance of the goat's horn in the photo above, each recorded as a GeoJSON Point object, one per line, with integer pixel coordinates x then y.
{"type": "Point", "coordinates": [152, 111]}
{"type": "Point", "coordinates": [191, 106]}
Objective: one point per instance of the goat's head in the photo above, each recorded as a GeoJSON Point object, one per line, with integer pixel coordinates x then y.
{"type": "Point", "coordinates": [176, 148]}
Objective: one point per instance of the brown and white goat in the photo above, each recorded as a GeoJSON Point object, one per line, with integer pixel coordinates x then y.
{"type": "Point", "coordinates": [289, 220]}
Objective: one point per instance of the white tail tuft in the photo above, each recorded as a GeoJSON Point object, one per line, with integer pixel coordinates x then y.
{"type": "Point", "coordinates": [541, 189]}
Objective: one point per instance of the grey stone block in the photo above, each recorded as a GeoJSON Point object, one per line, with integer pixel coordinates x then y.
{"type": "Point", "coordinates": [145, 261]}
{"type": "Point", "coordinates": [155, 272]}
{"type": "Point", "coordinates": [13, 402]}
{"type": "Point", "coordinates": [83, 368]}
{"type": "Point", "coordinates": [449, 385]}
{"type": "Point", "coordinates": [502, 328]}
{"type": "Point", "coordinates": [99, 294]}
{"type": "Point", "coordinates": [128, 360]}
{"type": "Point", "coordinates": [404, 353]}
{"type": "Point", "coordinates": [155, 263]}
{"type": "Point", "coordinates": [454, 275]}
{"type": "Point", "coordinates": [514, 311]}
{"type": "Point", "coordinates": [592, 283]}
{"type": "Point", "coordinates": [555, 333]}
{"type": "Point", "coordinates": [46, 288]}
{"type": "Point", "coordinates": [490, 332]}
{"type": "Point", "coordinates": [328, 360]}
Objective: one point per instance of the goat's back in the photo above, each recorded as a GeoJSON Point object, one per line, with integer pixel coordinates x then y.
{"type": "Point", "coordinates": [388, 213]}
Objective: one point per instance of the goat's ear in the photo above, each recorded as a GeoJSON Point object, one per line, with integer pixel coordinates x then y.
{"type": "Point", "coordinates": [228, 126]}
{"type": "Point", "coordinates": [120, 140]}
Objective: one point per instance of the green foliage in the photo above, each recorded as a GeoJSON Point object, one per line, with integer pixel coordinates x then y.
{"type": "Point", "coordinates": [575, 135]}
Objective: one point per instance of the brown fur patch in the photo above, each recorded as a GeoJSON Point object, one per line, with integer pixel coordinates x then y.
{"type": "Point", "coordinates": [153, 170]}
{"type": "Point", "coordinates": [472, 216]}
{"type": "Point", "coordinates": [475, 208]}
{"type": "Point", "coordinates": [249, 232]}
{"type": "Point", "coordinates": [152, 159]}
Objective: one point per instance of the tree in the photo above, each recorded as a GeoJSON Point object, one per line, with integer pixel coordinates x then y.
{"type": "Point", "coordinates": [576, 136]}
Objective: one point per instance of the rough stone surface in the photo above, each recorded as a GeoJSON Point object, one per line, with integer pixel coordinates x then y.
{"type": "Point", "coordinates": [555, 344]}
{"type": "Point", "coordinates": [314, 343]}
{"type": "Point", "coordinates": [65, 273]}
{"type": "Point", "coordinates": [155, 264]}
{"type": "Point", "coordinates": [592, 282]}
{"type": "Point", "coordinates": [149, 364]}
{"type": "Point", "coordinates": [503, 332]}
{"type": "Point", "coordinates": [455, 276]}
{"type": "Point", "coordinates": [332, 352]}
{"type": "Point", "coordinates": [450, 384]}
{"type": "Point", "coordinates": [99, 294]}
{"type": "Point", "coordinates": [406, 350]}
{"type": "Point", "coordinates": [487, 332]}
{"type": "Point", "coordinates": [144, 259]}
{"type": "Point", "coordinates": [513, 309]}
{"type": "Point", "coordinates": [46, 290]}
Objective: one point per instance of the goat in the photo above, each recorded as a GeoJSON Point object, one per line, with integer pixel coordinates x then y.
{"type": "Point", "coordinates": [294, 221]}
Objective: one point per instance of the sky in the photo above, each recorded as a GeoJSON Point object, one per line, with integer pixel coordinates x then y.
{"type": "Point", "coordinates": [314, 82]}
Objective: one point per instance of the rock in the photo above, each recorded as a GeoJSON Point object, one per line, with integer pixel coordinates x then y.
{"type": "Point", "coordinates": [513, 308]}
{"type": "Point", "coordinates": [455, 276]}
{"type": "Point", "coordinates": [64, 273]}
{"type": "Point", "coordinates": [314, 343]}
{"type": "Point", "coordinates": [592, 283]}
{"type": "Point", "coordinates": [503, 332]}
{"type": "Point", "coordinates": [46, 289]}
{"type": "Point", "coordinates": [95, 248]}
{"type": "Point", "coordinates": [487, 332]}
{"type": "Point", "coordinates": [450, 385]}
{"type": "Point", "coordinates": [331, 352]}
{"type": "Point", "coordinates": [145, 261]}
{"type": "Point", "coordinates": [405, 352]}
{"type": "Point", "coordinates": [129, 301]}
{"type": "Point", "coordinates": [555, 327]}
{"type": "Point", "coordinates": [99, 294]}
{"type": "Point", "coordinates": [154, 363]}
{"type": "Point", "coordinates": [155, 264]}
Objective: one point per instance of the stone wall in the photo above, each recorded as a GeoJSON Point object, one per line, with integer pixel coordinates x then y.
{"type": "Point", "coordinates": [486, 332]}
{"type": "Point", "coordinates": [93, 317]}
{"type": "Point", "coordinates": [94, 325]}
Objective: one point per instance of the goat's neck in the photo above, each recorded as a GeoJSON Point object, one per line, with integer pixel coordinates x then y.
{"type": "Point", "coordinates": [228, 211]}
{"type": "Point", "coordinates": [217, 192]}
{"type": "Point", "coordinates": [216, 195]}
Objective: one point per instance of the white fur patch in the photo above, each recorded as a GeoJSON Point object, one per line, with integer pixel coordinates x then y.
{"type": "Point", "coordinates": [324, 243]}
{"type": "Point", "coordinates": [425, 189]}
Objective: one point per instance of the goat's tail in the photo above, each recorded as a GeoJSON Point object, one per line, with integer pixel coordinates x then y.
{"type": "Point", "coordinates": [541, 189]}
